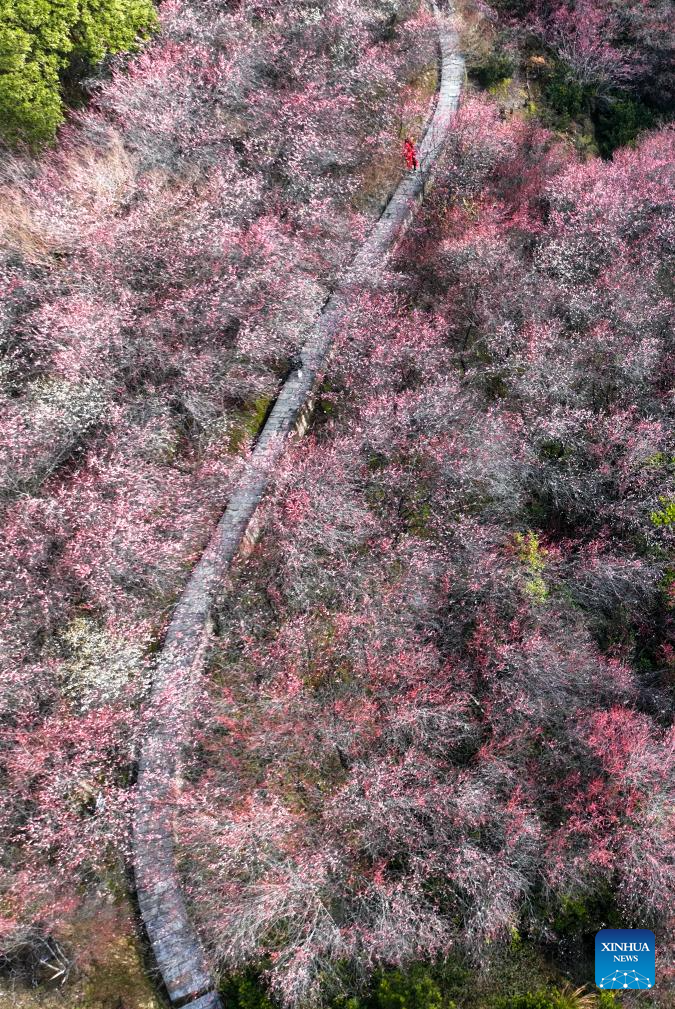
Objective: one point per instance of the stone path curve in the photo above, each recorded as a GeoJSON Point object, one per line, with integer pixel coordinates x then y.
{"type": "Point", "coordinates": [177, 949]}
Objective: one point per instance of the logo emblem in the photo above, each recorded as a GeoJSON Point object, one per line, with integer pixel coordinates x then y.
{"type": "Point", "coordinates": [625, 958]}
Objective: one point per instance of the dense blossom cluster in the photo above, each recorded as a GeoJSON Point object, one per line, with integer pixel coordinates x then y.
{"type": "Point", "coordinates": [439, 706]}
{"type": "Point", "coordinates": [439, 711]}
{"type": "Point", "coordinates": [158, 270]}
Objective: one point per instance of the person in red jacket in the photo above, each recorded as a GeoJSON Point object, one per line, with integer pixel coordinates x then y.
{"type": "Point", "coordinates": [410, 155]}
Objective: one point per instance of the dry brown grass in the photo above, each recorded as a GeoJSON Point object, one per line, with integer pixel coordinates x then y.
{"type": "Point", "coordinates": [49, 214]}
{"type": "Point", "coordinates": [21, 231]}
{"type": "Point", "coordinates": [109, 974]}
{"type": "Point", "coordinates": [577, 998]}
{"type": "Point", "coordinates": [476, 34]}
{"type": "Point", "coordinates": [381, 176]}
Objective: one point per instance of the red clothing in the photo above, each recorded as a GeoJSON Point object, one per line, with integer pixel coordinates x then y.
{"type": "Point", "coordinates": [410, 155]}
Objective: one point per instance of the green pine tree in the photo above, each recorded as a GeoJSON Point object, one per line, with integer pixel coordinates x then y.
{"type": "Point", "coordinates": [40, 40]}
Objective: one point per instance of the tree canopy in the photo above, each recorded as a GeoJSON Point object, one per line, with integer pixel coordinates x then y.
{"type": "Point", "coordinates": [40, 40]}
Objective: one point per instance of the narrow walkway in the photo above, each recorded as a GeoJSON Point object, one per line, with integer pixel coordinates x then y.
{"type": "Point", "coordinates": [178, 951]}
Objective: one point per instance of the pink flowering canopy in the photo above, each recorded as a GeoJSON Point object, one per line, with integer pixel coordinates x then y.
{"type": "Point", "coordinates": [439, 706]}
{"type": "Point", "coordinates": [437, 709]}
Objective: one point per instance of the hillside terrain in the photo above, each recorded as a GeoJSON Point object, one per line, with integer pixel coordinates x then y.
{"type": "Point", "coordinates": [434, 749]}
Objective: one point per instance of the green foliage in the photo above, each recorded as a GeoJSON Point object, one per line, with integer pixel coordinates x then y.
{"type": "Point", "coordinates": [440, 985]}
{"type": "Point", "coordinates": [667, 586]}
{"type": "Point", "coordinates": [412, 989]}
{"type": "Point", "coordinates": [326, 404]}
{"type": "Point", "coordinates": [249, 422]}
{"type": "Point", "coordinates": [566, 97]}
{"type": "Point", "coordinates": [659, 459]}
{"type": "Point", "coordinates": [532, 556]}
{"type": "Point", "coordinates": [251, 996]}
{"type": "Point", "coordinates": [563, 998]}
{"type": "Point", "coordinates": [41, 39]}
{"type": "Point", "coordinates": [573, 917]}
{"type": "Point", "coordinates": [492, 69]}
{"type": "Point", "coordinates": [245, 991]}
{"type": "Point", "coordinates": [666, 515]}
{"type": "Point", "coordinates": [553, 450]}
{"type": "Point", "coordinates": [536, 1000]}
{"type": "Point", "coordinates": [501, 90]}
{"type": "Point", "coordinates": [421, 986]}
{"type": "Point", "coordinates": [584, 916]}
{"type": "Point", "coordinates": [619, 123]}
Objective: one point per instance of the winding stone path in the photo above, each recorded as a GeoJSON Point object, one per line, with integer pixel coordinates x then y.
{"type": "Point", "coordinates": [178, 951]}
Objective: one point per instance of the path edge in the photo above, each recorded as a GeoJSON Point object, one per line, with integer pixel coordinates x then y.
{"type": "Point", "coordinates": [178, 951]}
